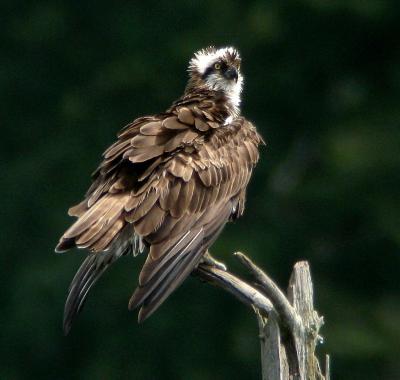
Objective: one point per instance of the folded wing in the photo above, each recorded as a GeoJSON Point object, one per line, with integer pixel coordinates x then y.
{"type": "Point", "coordinates": [170, 183]}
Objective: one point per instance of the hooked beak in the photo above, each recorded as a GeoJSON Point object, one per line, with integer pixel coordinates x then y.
{"type": "Point", "coordinates": [231, 73]}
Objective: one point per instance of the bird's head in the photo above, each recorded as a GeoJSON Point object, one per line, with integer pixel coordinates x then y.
{"type": "Point", "coordinates": [217, 70]}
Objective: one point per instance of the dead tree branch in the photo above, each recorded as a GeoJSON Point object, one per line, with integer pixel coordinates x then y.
{"type": "Point", "coordinates": [288, 325]}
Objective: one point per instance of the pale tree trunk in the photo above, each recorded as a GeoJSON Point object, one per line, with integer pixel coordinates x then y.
{"type": "Point", "coordinates": [288, 324]}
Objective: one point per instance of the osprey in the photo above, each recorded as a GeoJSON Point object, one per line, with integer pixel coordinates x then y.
{"type": "Point", "coordinates": [167, 186]}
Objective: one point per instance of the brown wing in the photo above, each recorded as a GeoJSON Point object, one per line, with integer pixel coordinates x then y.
{"type": "Point", "coordinates": [123, 181]}
{"type": "Point", "coordinates": [173, 179]}
{"type": "Point", "coordinates": [203, 190]}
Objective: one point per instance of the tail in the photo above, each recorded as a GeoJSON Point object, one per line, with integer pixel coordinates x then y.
{"type": "Point", "coordinates": [92, 269]}
{"type": "Point", "coordinates": [103, 230]}
{"type": "Point", "coordinates": [89, 272]}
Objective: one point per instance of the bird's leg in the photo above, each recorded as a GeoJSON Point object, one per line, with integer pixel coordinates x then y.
{"type": "Point", "coordinates": [209, 260]}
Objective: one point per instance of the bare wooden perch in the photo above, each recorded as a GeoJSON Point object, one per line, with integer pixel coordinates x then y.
{"type": "Point", "coordinates": [288, 325]}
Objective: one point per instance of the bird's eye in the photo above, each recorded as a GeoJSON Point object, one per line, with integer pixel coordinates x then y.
{"type": "Point", "coordinates": [217, 66]}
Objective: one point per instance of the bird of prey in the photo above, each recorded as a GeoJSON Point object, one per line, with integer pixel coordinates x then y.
{"type": "Point", "coordinates": [167, 186]}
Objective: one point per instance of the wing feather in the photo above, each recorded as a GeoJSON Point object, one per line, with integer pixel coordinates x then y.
{"type": "Point", "coordinates": [142, 208]}
{"type": "Point", "coordinates": [164, 275]}
{"type": "Point", "coordinates": [151, 221]}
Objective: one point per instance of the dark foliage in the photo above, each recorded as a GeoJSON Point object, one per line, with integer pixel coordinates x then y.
{"type": "Point", "coordinates": [323, 87]}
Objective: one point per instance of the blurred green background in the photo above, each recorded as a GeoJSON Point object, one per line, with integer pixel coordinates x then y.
{"type": "Point", "coordinates": [322, 86]}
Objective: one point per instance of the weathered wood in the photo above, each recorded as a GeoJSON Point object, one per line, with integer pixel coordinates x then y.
{"type": "Point", "coordinates": [274, 363]}
{"type": "Point", "coordinates": [234, 285]}
{"type": "Point", "coordinates": [285, 310]}
{"type": "Point", "coordinates": [301, 296]}
{"type": "Point", "coordinates": [288, 326]}
{"type": "Point", "coordinates": [327, 367]}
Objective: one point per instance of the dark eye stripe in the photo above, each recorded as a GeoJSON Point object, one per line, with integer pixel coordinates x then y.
{"type": "Point", "coordinates": [211, 69]}
{"type": "Point", "coordinates": [208, 71]}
